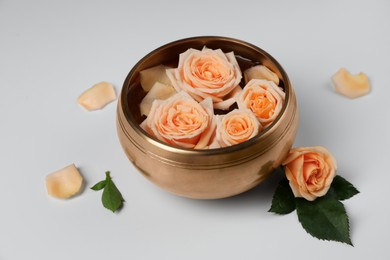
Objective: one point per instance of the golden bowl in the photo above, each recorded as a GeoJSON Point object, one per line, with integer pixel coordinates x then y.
{"type": "Point", "coordinates": [214, 173]}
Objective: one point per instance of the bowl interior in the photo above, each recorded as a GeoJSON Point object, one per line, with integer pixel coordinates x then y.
{"type": "Point", "coordinates": [247, 55]}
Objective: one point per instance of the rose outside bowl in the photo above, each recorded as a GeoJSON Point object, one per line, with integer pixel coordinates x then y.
{"type": "Point", "coordinates": [212, 173]}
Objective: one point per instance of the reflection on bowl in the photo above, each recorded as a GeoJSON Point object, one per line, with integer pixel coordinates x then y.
{"type": "Point", "coordinates": [214, 173]}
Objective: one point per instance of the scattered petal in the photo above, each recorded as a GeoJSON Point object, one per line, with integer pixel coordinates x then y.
{"type": "Point", "coordinates": [351, 86]}
{"type": "Point", "coordinates": [64, 183]}
{"type": "Point", "coordinates": [98, 96]}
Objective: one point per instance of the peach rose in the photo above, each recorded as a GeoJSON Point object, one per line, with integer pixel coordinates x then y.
{"type": "Point", "coordinates": [310, 171]}
{"type": "Point", "coordinates": [208, 73]}
{"type": "Point", "coordinates": [235, 127]}
{"type": "Point", "coordinates": [181, 121]}
{"type": "Point", "coordinates": [264, 98]}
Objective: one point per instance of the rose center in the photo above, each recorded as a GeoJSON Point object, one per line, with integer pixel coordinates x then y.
{"type": "Point", "coordinates": [237, 127]}
{"type": "Point", "coordinates": [262, 105]}
{"type": "Point", "coordinates": [183, 120]}
{"type": "Point", "coordinates": [211, 70]}
{"type": "Point", "coordinates": [314, 172]}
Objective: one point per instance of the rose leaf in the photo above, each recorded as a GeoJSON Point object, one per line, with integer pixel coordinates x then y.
{"type": "Point", "coordinates": [98, 186]}
{"type": "Point", "coordinates": [283, 201]}
{"type": "Point", "coordinates": [341, 189]}
{"type": "Point", "coordinates": [111, 198]}
{"type": "Point", "coordinates": [325, 218]}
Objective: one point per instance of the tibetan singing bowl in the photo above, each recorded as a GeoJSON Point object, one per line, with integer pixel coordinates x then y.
{"type": "Point", "coordinates": [213, 173]}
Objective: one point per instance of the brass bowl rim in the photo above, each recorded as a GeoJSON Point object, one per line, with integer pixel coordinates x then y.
{"type": "Point", "coordinates": [215, 151]}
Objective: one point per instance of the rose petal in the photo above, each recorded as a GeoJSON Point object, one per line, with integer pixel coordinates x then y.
{"type": "Point", "coordinates": [230, 100]}
{"type": "Point", "coordinates": [260, 72]}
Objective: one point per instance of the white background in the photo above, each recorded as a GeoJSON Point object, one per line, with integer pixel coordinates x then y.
{"type": "Point", "coordinates": [51, 51]}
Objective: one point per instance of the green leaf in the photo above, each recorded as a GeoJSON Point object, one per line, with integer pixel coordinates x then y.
{"type": "Point", "coordinates": [283, 201]}
{"type": "Point", "coordinates": [111, 198]}
{"type": "Point", "coordinates": [98, 186]}
{"type": "Point", "coordinates": [325, 218]}
{"type": "Point", "coordinates": [341, 189]}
